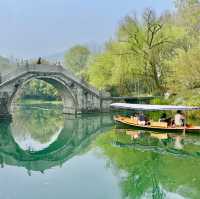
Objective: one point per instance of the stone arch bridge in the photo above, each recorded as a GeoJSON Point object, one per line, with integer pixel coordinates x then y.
{"type": "Point", "coordinates": [77, 96]}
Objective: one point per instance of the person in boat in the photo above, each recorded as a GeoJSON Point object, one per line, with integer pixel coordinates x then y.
{"type": "Point", "coordinates": [179, 119]}
{"type": "Point", "coordinates": [142, 119]}
{"type": "Point", "coordinates": [135, 117]}
{"type": "Point", "coordinates": [164, 118]}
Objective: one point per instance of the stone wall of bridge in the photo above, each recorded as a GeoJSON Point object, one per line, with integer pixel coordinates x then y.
{"type": "Point", "coordinates": [78, 97]}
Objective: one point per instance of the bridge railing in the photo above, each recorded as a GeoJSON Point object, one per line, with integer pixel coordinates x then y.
{"type": "Point", "coordinates": [35, 68]}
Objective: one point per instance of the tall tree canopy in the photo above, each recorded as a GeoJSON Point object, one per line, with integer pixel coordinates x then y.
{"type": "Point", "coordinates": [76, 58]}
{"type": "Point", "coordinates": [136, 59]}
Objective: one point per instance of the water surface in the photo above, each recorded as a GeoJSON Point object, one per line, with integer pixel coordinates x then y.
{"type": "Point", "coordinates": [45, 154]}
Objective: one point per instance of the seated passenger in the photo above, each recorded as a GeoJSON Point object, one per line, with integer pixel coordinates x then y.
{"type": "Point", "coordinates": [136, 116]}
{"type": "Point", "coordinates": [141, 119]}
{"type": "Point", "coordinates": [179, 119]}
{"type": "Point", "coordinates": [164, 118]}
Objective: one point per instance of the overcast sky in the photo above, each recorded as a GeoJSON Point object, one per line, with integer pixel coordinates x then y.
{"type": "Point", "coordinates": [32, 28]}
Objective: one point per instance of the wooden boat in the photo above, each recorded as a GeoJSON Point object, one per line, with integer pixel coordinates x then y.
{"type": "Point", "coordinates": [128, 122]}
{"type": "Point", "coordinates": [153, 126]}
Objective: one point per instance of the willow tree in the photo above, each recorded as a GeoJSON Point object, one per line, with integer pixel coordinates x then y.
{"type": "Point", "coordinates": [140, 54]}
{"type": "Point", "coordinates": [149, 42]}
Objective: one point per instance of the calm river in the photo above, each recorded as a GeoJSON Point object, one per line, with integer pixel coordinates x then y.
{"type": "Point", "coordinates": [44, 154]}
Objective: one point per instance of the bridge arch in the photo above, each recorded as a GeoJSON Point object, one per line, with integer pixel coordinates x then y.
{"type": "Point", "coordinates": [70, 102]}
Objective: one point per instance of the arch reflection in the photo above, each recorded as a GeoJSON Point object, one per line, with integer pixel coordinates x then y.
{"type": "Point", "coordinates": [34, 129]}
{"type": "Point", "coordinates": [41, 139]}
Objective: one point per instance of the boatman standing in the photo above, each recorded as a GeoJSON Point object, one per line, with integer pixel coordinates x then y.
{"type": "Point", "coordinates": [179, 119]}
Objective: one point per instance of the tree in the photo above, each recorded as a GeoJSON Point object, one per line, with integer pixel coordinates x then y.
{"type": "Point", "coordinates": [76, 58]}
{"type": "Point", "coordinates": [113, 72]}
{"type": "Point", "coordinates": [152, 54]}
{"type": "Point", "coordinates": [137, 55]}
{"type": "Point", "coordinates": [150, 42]}
{"type": "Point", "coordinates": [101, 70]}
{"type": "Point", "coordinates": [187, 15]}
{"type": "Point", "coordinates": [186, 74]}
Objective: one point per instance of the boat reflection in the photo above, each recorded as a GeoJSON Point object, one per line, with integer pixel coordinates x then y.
{"type": "Point", "coordinates": [133, 134]}
{"type": "Point", "coordinates": [157, 165]}
{"type": "Point", "coordinates": [169, 143]}
{"type": "Point", "coordinates": [160, 136]}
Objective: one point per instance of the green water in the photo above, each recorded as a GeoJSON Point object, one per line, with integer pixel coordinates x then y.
{"type": "Point", "coordinates": [45, 154]}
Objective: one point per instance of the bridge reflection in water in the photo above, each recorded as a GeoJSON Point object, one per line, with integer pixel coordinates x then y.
{"type": "Point", "coordinates": [40, 140]}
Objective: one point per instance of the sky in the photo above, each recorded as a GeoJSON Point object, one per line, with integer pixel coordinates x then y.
{"type": "Point", "coordinates": [33, 28]}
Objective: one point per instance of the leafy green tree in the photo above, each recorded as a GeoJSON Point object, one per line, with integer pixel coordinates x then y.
{"type": "Point", "coordinates": [100, 72]}
{"type": "Point", "coordinates": [150, 42]}
{"type": "Point", "coordinates": [136, 60]}
{"type": "Point", "coordinates": [112, 71]}
{"type": "Point", "coordinates": [186, 74]}
{"type": "Point", "coordinates": [76, 58]}
{"type": "Point", "coordinates": [187, 16]}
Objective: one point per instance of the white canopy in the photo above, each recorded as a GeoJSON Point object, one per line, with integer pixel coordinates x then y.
{"type": "Point", "coordinates": [151, 107]}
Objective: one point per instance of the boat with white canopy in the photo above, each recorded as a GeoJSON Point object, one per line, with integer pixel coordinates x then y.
{"type": "Point", "coordinates": [153, 125]}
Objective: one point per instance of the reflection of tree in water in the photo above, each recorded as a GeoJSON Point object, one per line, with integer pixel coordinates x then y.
{"type": "Point", "coordinates": [157, 192]}
{"type": "Point", "coordinates": [40, 125]}
{"type": "Point", "coordinates": [154, 170]}
{"type": "Point", "coordinates": [143, 177]}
